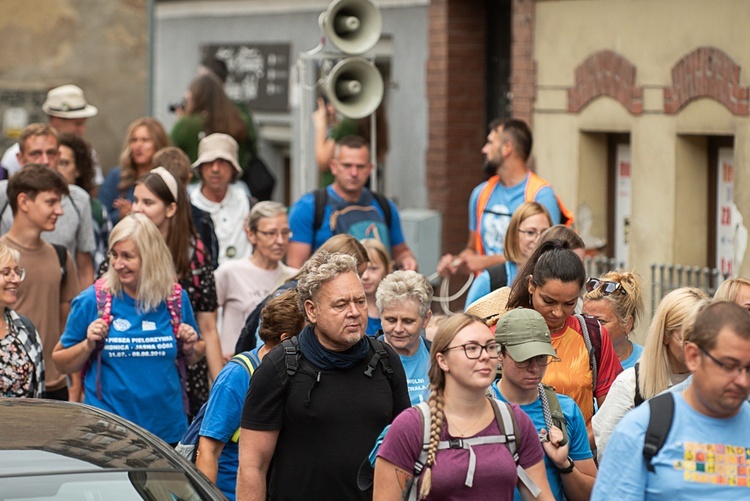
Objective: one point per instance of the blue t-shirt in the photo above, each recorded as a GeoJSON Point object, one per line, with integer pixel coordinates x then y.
{"type": "Point", "coordinates": [634, 356]}
{"type": "Point", "coordinates": [374, 324]}
{"type": "Point", "coordinates": [139, 378]}
{"type": "Point", "coordinates": [302, 217]}
{"type": "Point", "coordinates": [109, 192]}
{"type": "Point", "coordinates": [702, 458]}
{"type": "Point", "coordinates": [222, 418]}
{"type": "Point", "coordinates": [501, 205]}
{"type": "Point", "coordinates": [416, 368]}
{"type": "Point", "coordinates": [577, 436]}
{"type": "Point", "coordinates": [481, 285]}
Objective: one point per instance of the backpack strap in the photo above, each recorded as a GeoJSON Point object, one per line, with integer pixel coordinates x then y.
{"type": "Point", "coordinates": [506, 421]}
{"type": "Point", "coordinates": [553, 414]}
{"type": "Point", "coordinates": [498, 276]}
{"type": "Point", "coordinates": [103, 311]}
{"type": "Point", "coordinates": [661, 408]}
{"type": "Point", "coordinates": [62, 258]}
{"type": "Point", "coordinates": [291, 355]}
{"type": "Point", "coordinates": [321, 200]}
{"type": "Point", "coordinates": [385, 205]}
{"type": "Point", "coordinates": [590, 349]}
{"type": "Point", "coordinates": [638, 398]}
{"type": "Point", "coordinates": [250, 362]}
{"type": "Point", "coordinates": [484, 197]}
{"type": "Point", "coordinates": [174, 305]}
{"type": "Point", "coordinates": [380, 356]}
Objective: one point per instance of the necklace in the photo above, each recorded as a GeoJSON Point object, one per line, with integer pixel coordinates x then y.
{"type": "Point", "coordinates": [464, 431]}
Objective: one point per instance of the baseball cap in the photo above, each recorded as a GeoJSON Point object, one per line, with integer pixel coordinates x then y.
{"type": "Point", "coordinates": [68, 101]}
{"type": "Point", "coordinates": [525, 334]}
{"type": "Point", "coordinates": [217, 146]}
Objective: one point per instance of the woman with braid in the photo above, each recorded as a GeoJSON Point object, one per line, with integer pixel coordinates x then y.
{"type": "Point", "coordinates": [463, 360]}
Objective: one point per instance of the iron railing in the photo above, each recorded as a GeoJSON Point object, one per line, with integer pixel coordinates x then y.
{"type": "Point", "coordinates": [668, 277]}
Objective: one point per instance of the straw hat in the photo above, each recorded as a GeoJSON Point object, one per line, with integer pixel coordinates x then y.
{"type": "Point", "coordinates": [490, 307]}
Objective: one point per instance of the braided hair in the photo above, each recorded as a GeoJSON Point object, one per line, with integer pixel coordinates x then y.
{"type": "Point", "coordinates": [443, 338]}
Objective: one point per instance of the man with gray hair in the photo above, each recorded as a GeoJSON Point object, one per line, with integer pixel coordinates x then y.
{"type": "Point", "coordinates": [403, 299]}
{"type": "Point", "coordinates": [318, 401]}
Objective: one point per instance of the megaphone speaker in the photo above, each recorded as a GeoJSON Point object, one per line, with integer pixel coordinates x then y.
{"type": "Point", "coordinates": [353, 26]}
{"type": "Point", "coordinates": [355, 87]}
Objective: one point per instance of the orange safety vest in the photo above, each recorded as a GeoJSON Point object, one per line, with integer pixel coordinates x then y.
{"type": "Point", "coordinates": [533, 185]}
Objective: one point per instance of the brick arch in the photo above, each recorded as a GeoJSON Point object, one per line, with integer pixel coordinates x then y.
{"type": "Point", "coordinates": [706, 72]}
{"type": "Point", "coordinates": [606, 73]}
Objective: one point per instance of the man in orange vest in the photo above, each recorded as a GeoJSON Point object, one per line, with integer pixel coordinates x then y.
{"type": "Point", "coordinates": [493, 202]}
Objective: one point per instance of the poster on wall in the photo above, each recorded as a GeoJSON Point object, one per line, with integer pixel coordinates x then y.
{"type": "Point", "coordinates": [258, 73]}
{"type": "Point", "coordinates": [725, 224]}
{"type": "Point", "coordinates": [623, 197]}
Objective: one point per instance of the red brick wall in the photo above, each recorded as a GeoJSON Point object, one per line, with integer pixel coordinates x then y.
{"type": "Point", "coordinates": [706, 72]}
{"type": "Point", "coordinates": [523, 66]}
{"type": "Point", "coordinates": [606, 73]}
{"type": "Point", "coordinates": [457, 123]}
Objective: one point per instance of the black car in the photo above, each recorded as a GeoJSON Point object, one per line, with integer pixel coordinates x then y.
{"type": "Point", "coordinates": [53, 450]}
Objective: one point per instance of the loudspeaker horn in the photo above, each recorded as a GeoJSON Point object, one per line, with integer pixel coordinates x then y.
{"type": "Point", "coordinates": [353, 26]}
{"type": "Point", "coordinates": [355, 87]}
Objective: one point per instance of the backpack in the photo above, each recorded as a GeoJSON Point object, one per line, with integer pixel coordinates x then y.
{"type": "Point", "coordinates": [659, 424]}
{"type": "Point", "coordinates": [549, 399]}
{"type": "Point", "coordinates": [292, 357]}
{"type": "Point", "coordinates": [62, 258]}
{"type": "Point", "coordinates": [360, 221]}
{"type": "Point", "coordinates": [506, 421]}
{"type": "Point", "coordinates": [498, 276]}
{"type": "Point", "coordinates": [104, 311]}
{"type": "Point", "coordinates": [188, 444]}
{"type": "Point", "coordinates": [533, 185]}
{"type": "Point", "coordinates": [592, 338]}
{"type": "Point", "coordinates": [246, 341]}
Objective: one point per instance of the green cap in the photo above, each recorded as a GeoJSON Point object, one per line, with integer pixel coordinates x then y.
{"type": "Point", "coordinates": [525, 334]}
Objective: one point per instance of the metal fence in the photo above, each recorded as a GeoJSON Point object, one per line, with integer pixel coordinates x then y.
{"type": "Point", "coordinates": [667, 277]}
{"type": "Point", "coordinates": [664, 277]}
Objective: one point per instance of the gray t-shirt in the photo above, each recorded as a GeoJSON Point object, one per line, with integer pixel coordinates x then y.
{"type": "Point", "coordinates": [74, 229]}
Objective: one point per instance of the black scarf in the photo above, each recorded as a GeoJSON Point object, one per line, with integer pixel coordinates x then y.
{"type": "Point", "coordinates": [326, 359]}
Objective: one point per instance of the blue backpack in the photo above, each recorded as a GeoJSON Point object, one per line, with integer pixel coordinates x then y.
{"type": "Point", "coordinates": [359, 221]}
{"type": "Point", "coordinates": [188, 445]}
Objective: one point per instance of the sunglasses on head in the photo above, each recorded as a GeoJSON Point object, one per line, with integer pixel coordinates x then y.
{"type": "Point", "coordinates": [605, 287]}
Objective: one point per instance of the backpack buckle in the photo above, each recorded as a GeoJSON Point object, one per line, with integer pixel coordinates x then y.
{"type": "Point", "coordinates": [456, 443]}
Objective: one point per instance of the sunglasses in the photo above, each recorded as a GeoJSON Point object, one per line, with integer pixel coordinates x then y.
{"type": "Point", "coordinates": [605, 287]}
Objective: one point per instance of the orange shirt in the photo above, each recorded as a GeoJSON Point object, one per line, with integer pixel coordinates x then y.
{"type": "Point", "coordinates": [572, 375]}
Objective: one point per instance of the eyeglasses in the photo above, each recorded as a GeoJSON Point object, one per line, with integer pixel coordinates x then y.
{"type": "Point", "coordinates": [531, 234]}
{"type": "Point", "coordinates": [729, 368]}
{"type": "Point", "coordinates": [19, 272]}
{"type": "Point", "coordinates": [474, 350]}
{"type": "Point", "coordinates": [604, 286]}
{"type": "Point", "coordinates": [541, 361]}
{"type": "Point", "coordinates": [285, 234]}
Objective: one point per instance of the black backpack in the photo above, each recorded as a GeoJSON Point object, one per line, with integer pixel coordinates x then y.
{"type": "Point", "coordinates": [659, 424]}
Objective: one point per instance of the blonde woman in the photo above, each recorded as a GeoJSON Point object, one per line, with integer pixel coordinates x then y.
{"type": "Point", "coordinates": [734, 290]}
{"type": "Point", "coordinates": [463, 360]}
{"type": "Point", "coordinates": [525, 229]}
{"type": "Point", "coordinates": [662, 363]}
{"type": "Point", "coordinates": [21, 360]}
{"type": "Point", "coordinates": [616, 301]}
{"type": "Point", "coordinates": [128, 321]}
{"type": "Point", "coordinates": [144, 137]}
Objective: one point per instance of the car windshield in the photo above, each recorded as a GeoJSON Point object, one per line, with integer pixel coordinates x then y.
{"type": "Point", "coordinates": [133, 485]}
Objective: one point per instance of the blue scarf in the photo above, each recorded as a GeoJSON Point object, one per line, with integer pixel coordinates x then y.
{"type": "Point", "coordinates": [326, 359]}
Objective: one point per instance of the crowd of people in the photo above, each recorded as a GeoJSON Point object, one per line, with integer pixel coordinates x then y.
{"type": "Point", "coordinates": [300, 344]}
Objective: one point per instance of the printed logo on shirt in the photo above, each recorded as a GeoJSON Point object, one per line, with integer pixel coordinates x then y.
{"type": "Point", "coordinates": [148, 326]}
{"type": "Point", "coordinates": [495, 221]}
{"type": "Point", "coordinates": [717, 464]}
{"type": "Point", "coordinates": [121, 324]}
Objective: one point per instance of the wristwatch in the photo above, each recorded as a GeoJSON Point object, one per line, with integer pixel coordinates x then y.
{"type": "Point", "coordinates": [568, 468]}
